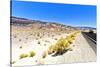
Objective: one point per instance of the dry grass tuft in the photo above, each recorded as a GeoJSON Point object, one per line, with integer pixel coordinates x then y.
{"type": "Point", "coordinates": [23, 56]}
{"type": "Point", "coordinates": [32, 53]}
{"type": "Point", "coordinates": [62, 45]}
{"type": "Point", "coordinates": [12, 62]}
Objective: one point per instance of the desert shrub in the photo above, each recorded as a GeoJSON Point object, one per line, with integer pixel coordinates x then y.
{"type": "Point", "coordinates": [51, 49]}
{"type": "Point", "coordinates": [32, 53]}
{"type": "Point", "coordinates": [91, 31]}
{"type": "Point", "coordinates": [36, 38]}
{"type": "Point", "coordinates": [20, 40]}
{"type": "Point", "coordinates": [12, 62]}
{"type": "Point", "coordinates": [38, 34]}
{"type": "Point", "coordinates": [55, 38]}
{"type": "Point", "coordinates": [66, 44]}
{"type": "Point", "coordinates": [40, 37]}
{"type": "Point", "coordinates": [15, 36]}
{"type": "Point", "coordinates": [73, 38]}
{"type": "Point", "coordinates": [45, 53]}
{"type": "Point", "coordinates": [52, 35]}
{"type": "Point", "coordinates": [38, 42]}
{"type": "Point", "coordinates": [70, 38]}
{"type": "Point", "coordinates": [62, 42]}
{"type": "Point", "coordinates": [47, 41]}
{"type": "Point", "coordinates": [44, 44]}
{"type": "Point", "coordinates": [73, 35]}
{"type": "Point", "coordinates": [23, 56]}
{"type": "Point", "coordinates": [30, 34]}
{"type": "Point", "coordinates": [20, 47]}
{"type": "Point", "coordinates": [70, 49]}
{"type": "Point", "coordinates": [26, 38]}
{"type": "Point", "coordinates": [59, 47]}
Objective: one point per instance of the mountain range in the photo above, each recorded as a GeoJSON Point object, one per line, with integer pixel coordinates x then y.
{"type": "Point", "coordinates": [26, 22]}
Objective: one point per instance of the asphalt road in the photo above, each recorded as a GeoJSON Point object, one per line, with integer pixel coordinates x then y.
{"type": "Point", "coordinates": [91, 39]}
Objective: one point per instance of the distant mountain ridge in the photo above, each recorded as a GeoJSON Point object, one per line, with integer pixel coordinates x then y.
{"type": "Point", "coordinates": [24, 21]}
{"type": "Point", "coordinates": [21, 20]}
{"type": "Point", "coordinates": [84, 28]}
{"type": "Point", "coordinates": [18, 20]}
{"type": "Point", "coordinates": [37, 24]}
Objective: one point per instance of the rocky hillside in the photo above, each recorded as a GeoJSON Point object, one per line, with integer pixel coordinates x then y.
{"type": "Point", "coordinates": [16, 21]}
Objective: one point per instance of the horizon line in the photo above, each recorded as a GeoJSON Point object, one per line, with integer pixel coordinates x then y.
{"type": "Point", "coordinates": [52, 22]}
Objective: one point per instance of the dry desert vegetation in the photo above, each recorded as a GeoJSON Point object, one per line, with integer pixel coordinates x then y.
{"type": "Point", "coordinates": [47, 43]}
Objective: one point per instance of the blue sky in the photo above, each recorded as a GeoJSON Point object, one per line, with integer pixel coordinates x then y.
{"type": "Point", "coordinates": [68, 14]}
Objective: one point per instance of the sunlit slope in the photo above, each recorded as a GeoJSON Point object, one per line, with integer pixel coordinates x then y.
{"type": "Point", "coordinates": [37, 42]}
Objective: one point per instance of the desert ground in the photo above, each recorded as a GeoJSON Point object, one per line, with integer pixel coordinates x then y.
{"type": "Point", "coordinates": [35, 46]}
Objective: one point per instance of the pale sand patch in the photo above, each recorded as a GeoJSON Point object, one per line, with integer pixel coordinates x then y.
{"type": "Point", "coordinates": [29, 43]}
{"type": "Point", "coordinates": [81, 52]}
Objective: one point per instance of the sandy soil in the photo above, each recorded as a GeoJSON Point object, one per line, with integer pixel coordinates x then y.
{"type": "Point", "coordinates": [39, 41]}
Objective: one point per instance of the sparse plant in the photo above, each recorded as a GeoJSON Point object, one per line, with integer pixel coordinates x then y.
{"type": "Point", "coordinates": [38, 42]}
{"type": "Point", "coordinates": [30, 34]}
{"type": "Point", "coordinates": [23, 55]}
{"type": "Point", "coordinates": [38, 34]}
{"type": "Point", "coordinates": [40, 37]}
{"type": "Point", "coordinates": [32, 53]}
{"type": "Point", "coordinates": [59, 47]}
{"type": "Point", "coordinates": [47, 41]}
{"type": "Point", "coordinates": [20, 47]}
{"type": "Point", "coordinates": [91, 31]}
{"type": "Point", "coordinates": [56, 39]}
{"type": "Point", "coordinates": [26, 38]}
{"type": "Point", "coordinates": [62, 42]}
{"type": "Point", "coordinates": [13, 62]}
{"type": "Point", "coordinates": [51, 49]}
{"type": "Point", "coordinates": [62, 45]}
{"type": "Point", "coordinates": [36, 38]}
{"type": "Point", "coordinates": [70, 40]}
{"type": "Point", "coordinates": [44, 44]}
{"type": "Point", "coordinates": [70, 49]}
{"type": "Point", "coordinates": [20, 40]}
{"type": "Point", "coordinates": [52, 35]}
{"type": "Point", "coordinates": [44, 54]}
{"type": "Point", "coordinates": [15, 36]}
